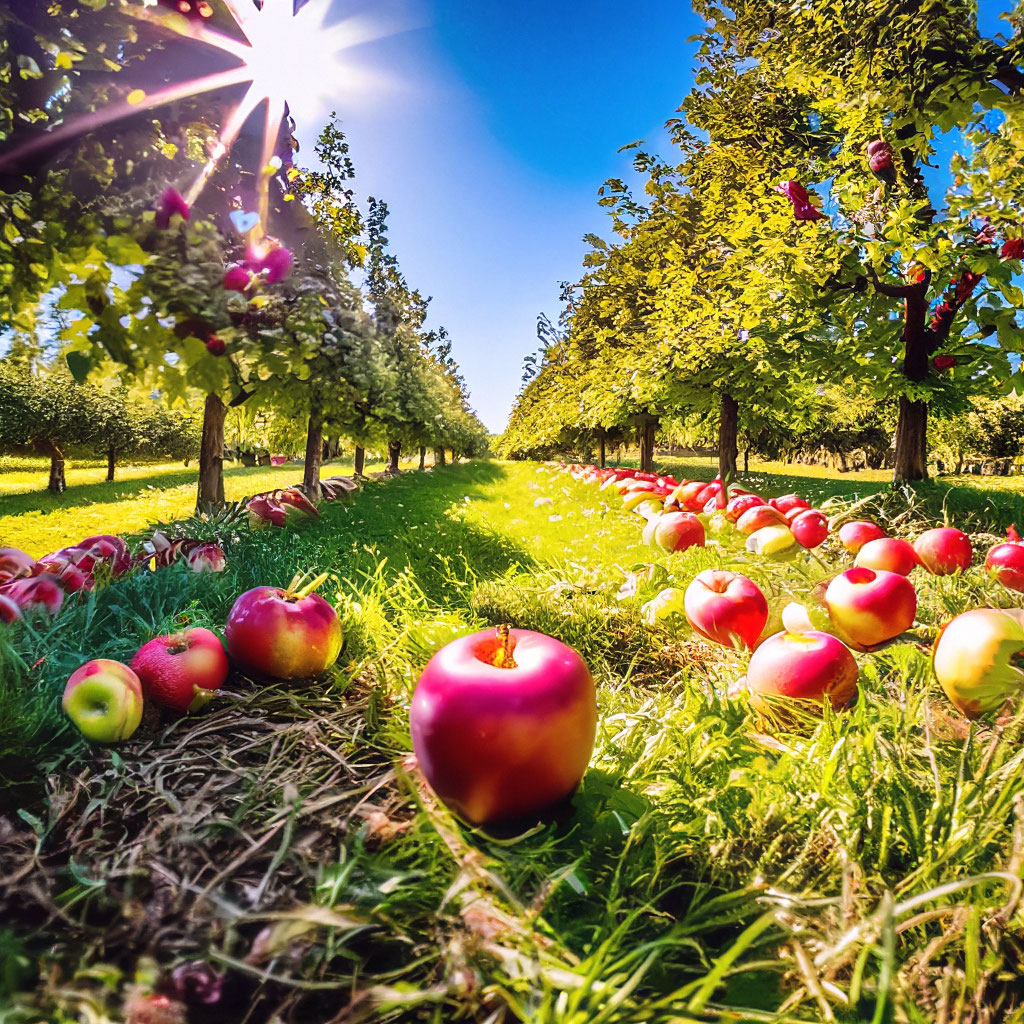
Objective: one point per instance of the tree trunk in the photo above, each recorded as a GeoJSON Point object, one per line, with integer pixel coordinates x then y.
{"type": "Point", "coordinates": [394, 453]}
{"type": "Point", "coordinates": [211, 454]}
{"type": "Point", "coordinates": [314, 455]}
{"type": "Point", "coordinates": [746, 460]}
{"type": "Point", "coordinates": [959, 465]}
{"type": "Point", "coordinates": [602, 450]}
{"type": "Point", "coordinates": [111, 463]}
{"type": "Point", "coordinates": [359, 461]}
{"type": "Point", "coordinates": [728, 425]}
{"type": "Point", "coordinates": [57, 484]}
{"type": "Point", "coordinates": [911, 442]}
{"type": "Point", "coordinates": [439, 459]}
{"type": "Point", "coordinates": [423, 456]}
{"type": "Point", "coordinates": [648, 435]}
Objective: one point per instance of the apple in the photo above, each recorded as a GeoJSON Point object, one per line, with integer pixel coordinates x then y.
{"type": "Point", "coordinates": [104, 700]}
{"type": "Point", "coordinates": [810, 527]}
{"type": "Point", "coordinates": [108, 549]}
{"type": "Point", "coordinates": [853, 536]}
{"type": "Point", "coordinates": [758, 517]}
{"type": "Point", "coordinates": [9, 610]}
{"type": "Point", "coordinates": [63, 565]}
{"type": "Point", "coordinates": [42, 592]}
{"type": "Point", "coordinates": [944, 550]}
{"type": "Point", "coordinates": [503, 723]}
{"type": "Point", "coordinates": [1005, 561]}
{"type": "Point", "coordinates": [647, 536]}
{"type": "Point", "coordinates": [180, 671]}
{"type": "Point", "coordinates": [207, 557]}
{"type": "Point", "coordinates": [871, 605]}
{"type": "Point", "coordinates": [15, 565]}
{"type": "Point", "coordinates": [740, 504]}
{"type": "Point", "coordinates": [807, 666]}
{"type": "Point", "coordinates": [889, 553]}
{"type": "Point", "coordinates": [977, 658]}
{"type": "Point", "coordinates": [677, 531]}
{"type": "Point", "coordinates": [689, 494]}
{"type": "Point", "coordinates": [786, 502]}
{"type": "Point", "coordinates": [773, 542]}
{"type": "Point", "coordinates": [709, 491]}
{"type": "Point", "coordinates": [666, 603]}
{"type": "Point", "coordinates": [288, 634]}
{"type": "Point", "coordinates": [726, 607]}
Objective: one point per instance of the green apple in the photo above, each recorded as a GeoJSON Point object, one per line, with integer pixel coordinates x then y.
{"type": "Point", "coordinates": [104, 700]}
{"type": "Point", "coordinates": [670, 601]}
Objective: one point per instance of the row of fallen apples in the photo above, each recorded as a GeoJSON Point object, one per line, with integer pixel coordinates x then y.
{"type": "Point", "coordinates": [806, 652]}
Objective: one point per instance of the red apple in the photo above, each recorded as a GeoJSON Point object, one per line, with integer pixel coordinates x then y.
{"type": "Point", "coordinates": [104, 700]}
{"type": "Point", "coordinates": [9, 610]}
{"type": "Point", "coordinates": [709, 491]}
{"type": "Point", "coordinates": [689, 495]}
{"type": "Point", "coordinates": [977, 659]}
{"type": "Point", "coordinates": [1006, 561]}
{"type": "Point", "coordinates": [726, 607]}
{"type": "Point", "coordinates": [853, 536]}
{"type": "Point", "coordinates": [944, 550]}
{"type": "Point", "coordinates": [808, 666]}
{"type": "Point", "coordinates": [788, 501]}
{"type": "Point", "coordinates": [503, 727]}
{"type": "Point", "coordinates": [287, 634]}
{"type": "Point", "coordinates": [63, 565]}
{"type": "Point", "coordinates": [740, 504]}
{"type": "Point", "coordinates": [181, 668]}
{"type": "Point", "coordinates": [15, 565]}
{"type": "Point", "coordinates": [758, 517]}
{"type": "Point", "coordinates": [889, 553]}
{"type": "Point", "coordinates": [810, 527]}
{"type": "Point", "coordinates": [677, 531]}
{"type": "Point", "coordinates": [42, 592]}
{"type": "Point", "coordinates": [108, 549]}
{"type": "Point", "coordinates": [871, 606]}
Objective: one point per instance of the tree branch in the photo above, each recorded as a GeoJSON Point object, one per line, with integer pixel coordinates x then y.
{"type": "Point", "coordinates": [894, 291]}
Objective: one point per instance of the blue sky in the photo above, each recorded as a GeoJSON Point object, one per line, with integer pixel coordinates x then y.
{"type": "Point", "coordinates": [489, 132]}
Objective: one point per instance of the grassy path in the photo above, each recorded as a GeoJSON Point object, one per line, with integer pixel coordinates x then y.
{"type": "Point", "coordinates": [713, 867]}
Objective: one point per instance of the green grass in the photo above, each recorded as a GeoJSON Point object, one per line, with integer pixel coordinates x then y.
{"type": "Point", "coordinates": [715, 866]}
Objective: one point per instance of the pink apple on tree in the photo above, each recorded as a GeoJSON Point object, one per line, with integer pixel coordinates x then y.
{"type": "Point", "coordinates": [726, 607]}
{"type": "Point", "coordinates": [104, 700]}
{"type": "Point", "coordinates": [889, 553]}
{"type": "Point", "coordinates": [944, 550]}
{"type": "Point", "coordinates": [503, 723]}
{"type": "Point", "coordinates": [871, 606]}
{"type": "Point", "coordinates": [807, 666]}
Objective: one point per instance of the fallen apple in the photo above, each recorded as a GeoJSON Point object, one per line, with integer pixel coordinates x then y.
{"type": "Point", "coordinates": [677, 531]}
{"type": "Point", "coordinates": [40, 592]}
{"type": "Point", "coordinates": [1005, 561]}
{"type": "Point", "coordinates": [871, 606]}
{"type": "Point", "coordinates": [806, 666]}
{"type": "Point", "coordinates": [773, 542]}
{"type": "Point", "coordinates": [742, 503]}
{"type": "Point", "coordinates": [758, 517]}
{"type": "Point", "coordinates": [810, 527]}
{"type": "Point", "coordinates": [944, 550]}
{"type": "Point", "coordinates": [978, 659]}
{"type": "Point", "coordinates": [889, 553]}
{"type": "Point", "coordinates": [180, 671]}
{"type": "Point", "coordinates": [503, 723]}
{"type": "Point", "coordinates": [288, 634]}
{"type": "Point", "coordinates": [726, 607]}
{"type": "Point", "coordinates": [15, 565]}
{"type": "Point", "coordinates": [104, 700]}
{"type": "Point", "coordinates": [787, 502]}
{"type": "Point", "coordinates": [853, 536]}
{"type": "Point", "coordinates": [9, 611]}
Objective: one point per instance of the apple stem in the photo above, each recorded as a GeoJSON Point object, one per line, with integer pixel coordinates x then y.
{"type": "Point", "coordinates": [503, 658]}
{"type": "Point", "coordinates": [296, 588]}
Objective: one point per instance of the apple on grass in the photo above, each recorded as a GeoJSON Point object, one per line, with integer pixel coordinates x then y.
{"type": "Point", "coordinates": [104, 700]}
{"type": "Point", "coordinates": [15, 565]}
{"type": "Point", "coordinates": [726, 607]}
{"type": "Point", "coordinates": [889, 553]}
{"type": "Point", "coordinates": [978, 659]}
{"type": "Point", "coordinates": [666, 603]}
{"type": "Point", "coordinates": [808, 666]}
{"type": "Point", "coordinates": [944, 550]}
{"type": "Point", "coordinates": [810, 527]}
{"type": "Point", "coordinates": [38, 592]}
{"type": "Point", "coordinates": [677, 531]}
{"type": "Point", "coordinates": [181, 671]}
{"type": "Point", "coordinates": [1005, 561]}
{"type": "Point", "coordinates": [871, 606]}
{"type": "Point", "coordinates": [853, 536]}
{"type": "Point", "coordinates": [787, 502]}
{"type": "Point", "coordinates": [775, 541]}
{"type": "Point", "coordinates": [286, 633]}
{"type": "Point", "coordinates": [758, 517]}
{"type": "Point", "coordinates": [503, 724]}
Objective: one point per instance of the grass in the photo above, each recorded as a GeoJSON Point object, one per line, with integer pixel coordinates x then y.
{"type": "Point", "coordinates": [39, 522]}
{"type": "Point", "coordinates": [715, 866]}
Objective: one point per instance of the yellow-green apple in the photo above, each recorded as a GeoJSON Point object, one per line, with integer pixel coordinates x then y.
{"type": "Point", "coordinates": [773, 542]}
{"type": "Point", "coordinates": [978, 659]}
{"type": "Point", "coordinates": [810, 527]}
{"type": "Point", "coordinates": [288, 634]}
{"type": "Point", "coordinates": [741, 503]}
{"type": "Point", "coordinates": [944, 550]}
{"type": "Point", "coordinates": [677, 531]}
{"type": "Point", "coordinates": [784, 503]}
{"type": "Point", "coordinates": [647, 536]}
{"type": "Point", "coordinates": [726, 607]}
{"type": "Point", "coordinates": [871, 606]}
{"type": "Point", "coordinates": [853, 536]}
{"type": "Point", "coordinates": [666, 603]}
{"type": "Point", "coordinates": [104, 700]}
{"type": "Point", "coordinates": [890, 553]}
{"type": "Point", "coordinates": [806, 666]}
{"type": "Point", "coordinates": [182, 670]}
{"type": "Point", "coordinates": [718, 525]}
{"type": "Point", "coordinates": [1005, 561]}
{"type": "Point", "coordinates": [634, 499]}
{"type": "Point", "coordinates": [503, 723]}
{"type": "Point", "coordinates": [758, 517]}
{"type": "Point", "coordinates": [39, 592]}
{"type": "Point", "coordinates": [15, 565]}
